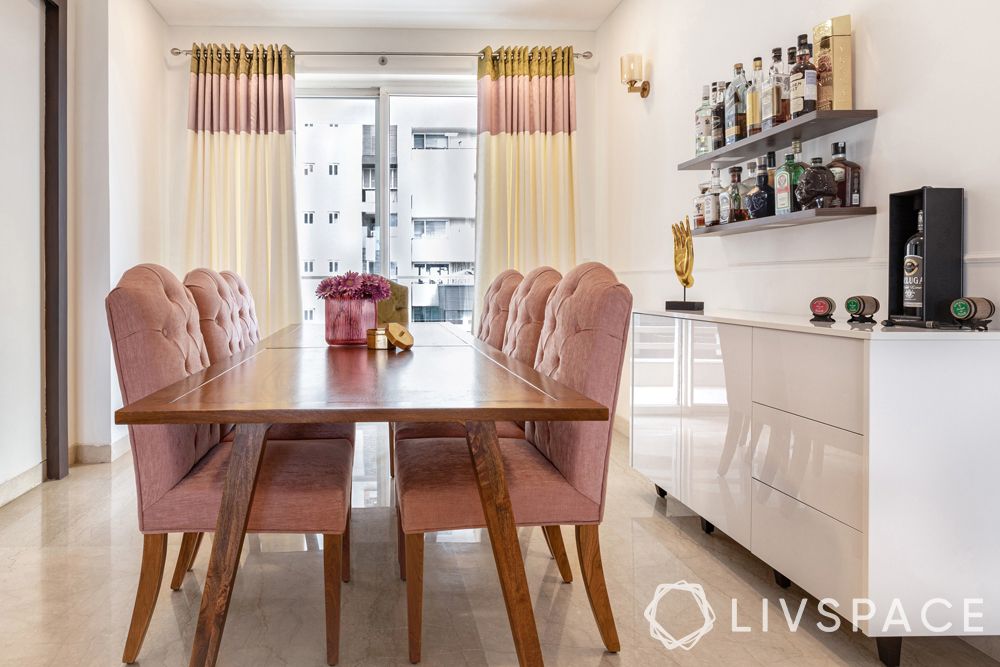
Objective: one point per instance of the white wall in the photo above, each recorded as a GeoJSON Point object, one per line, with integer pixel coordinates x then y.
{"type": "Point", "coordinates": [925, 70]}
{"type": "Point", "coordinates": [22, 31]}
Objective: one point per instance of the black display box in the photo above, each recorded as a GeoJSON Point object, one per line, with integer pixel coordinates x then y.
{"type": "Point", "coordinates": [944, 214]}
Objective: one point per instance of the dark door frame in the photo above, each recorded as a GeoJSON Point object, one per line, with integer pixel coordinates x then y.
{"type": "Point", "coordinates": [54, 202]}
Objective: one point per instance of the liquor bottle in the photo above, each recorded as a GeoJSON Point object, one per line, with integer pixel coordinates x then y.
{"type": "Point", "coordinates": [736, 106]}
{"type": "Point", "coordinates": [719, 115]}
{"type": "Point", "coordinates": [785, 180]}
{"type": "Point", "coordinates": [754, 98]}
{"type": "Point", "coordinates": [913, 272]}
{"type": "Point", "coordinates": [710, 202]}
{"type": "Point", "coordinates": [817, 187]}
{"type": "Point", "coordinates": [770, 93]}
{"type": "Point", "coordinates": [703, 124]}
{"type": "Point", "coordinates": [732, 202]}
{"type": "Point", "coordinates": [786, 84]}
{"type": "Point", "coordinates": [760, 200]}
{"type": "Point", "coordinates": [750, 180]}
{"type": "Point", "coordinates": [803, 81]}
{"type": "Point", "coordinates": [771, 168]}
{"type": "Point", "coordinates": [847, 173]}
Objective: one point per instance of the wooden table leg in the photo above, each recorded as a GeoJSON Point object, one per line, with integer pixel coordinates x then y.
{"type": "Point", "coordinates": [486, 460]}
{"type": "Point", "coordinates": [234, 512]}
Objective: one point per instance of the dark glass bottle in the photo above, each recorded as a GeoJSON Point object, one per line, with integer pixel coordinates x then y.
{"type": "Point", "coordinates": [913, 272]}
{"type": "Point", "coordinates": [848, 175]}
{"type": "Point", "coordinates": [803, 81]}
{"type": "Point", "coordinates": [817, 187]}
{"type": "Point", "coordinates": [732, 202]}
{"type": "Point", "coordinates": [719, 116]}
{"type": "Point", "coordinates": [760, 200]}
{"type": "Point", "coordinates": [771, 168]}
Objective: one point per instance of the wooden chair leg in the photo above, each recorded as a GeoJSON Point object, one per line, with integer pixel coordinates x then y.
{"type": "Point", "coordinates": [588, 548]}
{"type": "Point", "coordinates": [553, 536]}
{"type": "Point", "coordinates": [154, 557]}
{"type": "Point", "coordinates": [392, 449]}
{"type": "Point", "coordinates": [345, 571]}
{"type": "Point", "coordinates": [194, 552]}
{"type": "Point", "coordinates": [185, 559]}
{"type": "Point", "coordinates": [414, 592]}
{"type": "Point", "coordinates": [400, 546]}
{"type": "Point", "coordinates": [332, 553]}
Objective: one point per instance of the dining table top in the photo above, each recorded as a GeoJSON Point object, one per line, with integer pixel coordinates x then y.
{"type": "Point", "coordinates": [293, 376]}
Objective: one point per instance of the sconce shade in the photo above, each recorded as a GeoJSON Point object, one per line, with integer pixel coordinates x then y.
{"type": "Point", "coordinates": [631, 64]}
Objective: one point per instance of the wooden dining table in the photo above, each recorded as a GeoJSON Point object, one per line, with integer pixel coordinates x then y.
{"type": "Point", "coordinates": [293, 377]}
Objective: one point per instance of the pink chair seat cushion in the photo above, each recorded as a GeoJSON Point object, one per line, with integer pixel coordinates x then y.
{"type": "Point", "coordinates": [436, 487]}
{"type": "Point", "coordinates": [413, 430]}
{"type": "Point", "coordinates": [302, 487]}
{"type": "Point", "coordinates": [304, 432]}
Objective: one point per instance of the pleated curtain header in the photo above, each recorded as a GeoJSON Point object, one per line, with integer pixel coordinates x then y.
{"type": "Point", "coordinates": [527, 90]}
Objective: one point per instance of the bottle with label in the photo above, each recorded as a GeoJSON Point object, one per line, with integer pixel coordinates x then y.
{"type": "Point", "coordinates": [847, 173]}
{"type": "Point", "coordinates": [699, 205]}
{"type": "Point", "coordinates": [770, 93]}
{"type": "Point", "coordinates": [803, 82]}
{"type": "Point", "coordinates": [719, 115]}
{"type": "Point", "coordinates": [703, 124]}
{"type": "Point", "coordinates": [913, 272]}
{"type": "Point", "coordinates": [750, 180]}
{"type": "Point", "coordinates": [732, 202]}
{"type": "Point", "coordinates": [754, 98]}
{"type": "Point", "coordinates": [785, 179]}
{"type": "Point", "coordinates": [710, 201]}
{"type": "Point", "coordinates": [771, 168]}
{"type": "Point", "coordinates": [736, 106]}
{"type": "Point", "coordinates": [760, 200]}
{"type": "Point", "coordinates": [786, 84]}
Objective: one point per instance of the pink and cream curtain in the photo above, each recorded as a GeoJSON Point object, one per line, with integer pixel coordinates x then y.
{"type": "Point", "coordinates": [241, 205]}
{"type": "Point", "coordinates": [526, 196]}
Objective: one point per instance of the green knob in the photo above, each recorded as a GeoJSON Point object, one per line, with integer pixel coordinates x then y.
{"type": "Point", "coordinates": [961, 309]}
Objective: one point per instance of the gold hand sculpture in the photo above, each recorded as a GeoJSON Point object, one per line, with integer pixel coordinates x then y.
{"type": "Point", "coordinates": [683, 253]}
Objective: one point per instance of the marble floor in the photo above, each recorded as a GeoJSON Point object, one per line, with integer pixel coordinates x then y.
{"type": "Point", "coordinates": [69, 562]}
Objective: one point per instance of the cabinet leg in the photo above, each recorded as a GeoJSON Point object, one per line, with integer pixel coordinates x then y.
{"type": "Point", "coordinates": [781, 579]}
{"type": "Point", "coordinates": [660, 492]}
{"type": "Point", "coordinates": [889, 650]}
{"type": "Point", "coordinates": [707, 526]}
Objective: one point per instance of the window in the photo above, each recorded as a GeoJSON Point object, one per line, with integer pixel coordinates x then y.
{"type": "Point", "coordinates": [393, 177]}
{"type": "Point", "coordinates": [394, 219]}
{"type": "Point", "coordinates": [430, 229]}
{"type": "Point", "coordinates": [428, 140]}
{"type": "Point", "coordinates": [333, 216]}
{"type": "Point", "coordinates": [308, 314]}
{"type": "Point", "coordinates": [334, 266]}
{"type": "Point", "coordinates": [393, 269]}
{"type": "Point", "coordinates": [308, 168]}
{"type": "Point", "coordinates": [307, 266]}
{"type": "Point", "coordinates": [334, 168]}
{"type": "Point", "coordinates": [307, 218]}
{"type": "Point", "coordinates": [368, 177]}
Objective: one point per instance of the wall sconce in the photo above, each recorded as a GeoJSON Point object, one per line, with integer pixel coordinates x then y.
{"type": "Point", "coordinates": [632, 74]}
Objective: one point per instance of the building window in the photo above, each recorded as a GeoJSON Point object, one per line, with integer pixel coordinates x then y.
{"type": "Point", "coordinates": [429, 141]}
{"type": "Point", "coordinates": [430, 229]}
{"type": "Point", "coordinates": [393, 178]}
{"type": "Point", "coordinates": [333, 216]}
{"type": "Point", "coordinates": [368, 177]}
{"type": "Point", "coordinates": [334, 169]}
{"type": "Point", "coordinates": [393, 269]}
{"type": "Point", "coordinates": [307, 314]}
{"type": "Point", "coordinates": [334, 266]}
{"type": "Point", "coordinates": [308, 168]}
{"type": "Point", "coordinates": [307, 217]}
{"type": "Point", "coordinates": [307, 266]}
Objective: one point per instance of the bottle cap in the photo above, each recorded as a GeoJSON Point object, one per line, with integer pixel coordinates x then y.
{"type": "Point", "coordinates": [838, 148]}
{"type": "Point", "coordinates": [736, 170]}
{"type": "Point", "coordinates": [757, 62]}
{"type": "Point", "coordinates": [796, 146]}
{"type": "Point", "coordinates": [803, 39]}
{"type": "Point", "coordinates": [791, 53]}
{"type": "Point", "coordinates": [776, 52]}
{"type": "Point", "coordinates": [738, 66]}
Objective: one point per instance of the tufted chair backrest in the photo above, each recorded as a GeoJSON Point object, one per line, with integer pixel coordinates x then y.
{"type": "Point", "coordinates": [582, 346]}
{"type": "Point", "coordinates": [156, 340]}
{"type": "Point", "coordinates": [527, 313]}
{"type": "Point", "coordinates": [496, 303]}
{"type": "Point", "coordinates": [218, 313]}
{"type": "Point", "coordinates": [249, 326]}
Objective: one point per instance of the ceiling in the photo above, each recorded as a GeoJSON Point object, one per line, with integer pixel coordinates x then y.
{"type": "Point", "coordinates": [468, 14]}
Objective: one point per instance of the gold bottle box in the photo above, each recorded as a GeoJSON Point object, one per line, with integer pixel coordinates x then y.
{"type": "Point", "coordinates": [834, 59]}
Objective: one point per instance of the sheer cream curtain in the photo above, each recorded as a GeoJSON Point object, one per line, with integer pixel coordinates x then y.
{"type": "Point", "coordinates": [526, 195]}
{"type": "Point", "coordinates": [241, 203]}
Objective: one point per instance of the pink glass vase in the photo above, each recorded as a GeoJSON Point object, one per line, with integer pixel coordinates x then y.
{"type": "Point", "coordinates": [348, 321]}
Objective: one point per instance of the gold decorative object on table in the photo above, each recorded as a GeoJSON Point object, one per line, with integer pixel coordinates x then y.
{"type": "Point", "coordinates": [684, 266]}
{"type": "Point", "coordinates": [377, 339]}
{"type": "Point", "coordinates": [398, 335]}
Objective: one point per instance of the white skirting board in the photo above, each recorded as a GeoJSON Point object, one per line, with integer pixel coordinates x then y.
{"type": "Point", "coordinates": [86, 452]}
{"type": "Point", "coordinates": [18, 486]}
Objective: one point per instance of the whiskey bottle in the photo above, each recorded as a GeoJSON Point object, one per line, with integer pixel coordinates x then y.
{"type": "Point", "coordinates": [770, 93]}
{"type": "Point", "coordinates": [760, 200]}
{"type": "Point", "coordinates": [732, 202]}
{"type": "Point", "coordinates": [803, 82]}
{"type": "Point", "coordinates": [719, 115]}
{"type": "Point", "coordinates": [703, 124]}
{"type": "Point", "coordinates": [786, 84]}
{"type": "Point", "coordinates": [785, 180]}
{"type": "Point", "coordinates": [736, 106]}
{"type": "Point", "coordinates": [771, 168]}
{"type": "Point", "coordinates": [754, 98]}
{"type": "Point", "coordinates": [710, 201]}
{"type": "Point", "coordinates": [913, 272]}
{"type": "Point", "coordinates": [847, 173]}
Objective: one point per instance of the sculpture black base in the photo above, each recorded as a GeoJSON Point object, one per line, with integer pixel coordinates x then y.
{"type": "Point", "coordinates": [660, 492]}
{"type": "Point", "coordinates": [707, 526]}
{"type": "Point", "coordinates": [781, 580]}
{"type": "Point", "coordinates": [688, 306]}
{"type": "Point", "coordinates": [890, 650]}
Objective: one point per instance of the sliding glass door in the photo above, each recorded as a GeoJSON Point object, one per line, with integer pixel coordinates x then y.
{"type": "Point", "coordinates": [386, 184]}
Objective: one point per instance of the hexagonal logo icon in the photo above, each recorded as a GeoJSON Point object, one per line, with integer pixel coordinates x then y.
{"type": "Point", "coordinates": [662, 635]}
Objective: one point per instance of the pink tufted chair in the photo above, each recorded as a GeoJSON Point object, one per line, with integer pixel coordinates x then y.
{"type": "Point", "coordinates": [303, 486]}
{"type": "Point", "coordinates": [557, 474]}
{"type": "Point", "coordinates": [249, 326]}
{"type": "Point", "coordinates": [496, 304]}
{"type": "Point", "coordinates": [526, 311]}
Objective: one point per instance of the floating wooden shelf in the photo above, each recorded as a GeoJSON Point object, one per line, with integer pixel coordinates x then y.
{"type": "Point", "coordinates": [809, 126]}
{"type": "Point", "coordinates": [787, 220]}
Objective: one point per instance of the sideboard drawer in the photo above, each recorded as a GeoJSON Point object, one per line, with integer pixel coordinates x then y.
{"type": "Point", "coordinates": [820, 465]}
{"type": "Point", "coordinates": [819, 377]}
{"type": "Point", "coordinates": [817, 552]}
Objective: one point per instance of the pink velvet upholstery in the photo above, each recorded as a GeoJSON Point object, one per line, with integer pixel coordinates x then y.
{"type": "Point", "coordinates": [496, 303]}
{"type": "Point", "coordinates": [527, 312]}
{"type": "Point", "coordinates": [249, 327]}
{"type": "Point", "coordinates": [557, 475]}
{"type": "Point", "coordinates": [179, 469]}
{"type": "Point", "coordinates": [218, 313]}
{"type": "Point", "coordinates": [413, 430]}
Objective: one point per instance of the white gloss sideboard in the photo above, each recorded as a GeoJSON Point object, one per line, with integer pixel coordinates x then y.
{"type": "Point", "coordinates": [860, 462]}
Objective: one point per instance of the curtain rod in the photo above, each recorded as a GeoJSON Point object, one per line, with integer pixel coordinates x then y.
{"type": "Point", "coordinates": [586, 55]}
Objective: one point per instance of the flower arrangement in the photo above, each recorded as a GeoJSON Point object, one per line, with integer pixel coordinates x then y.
{"type": "Point", "coordinates": [354, 286]}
